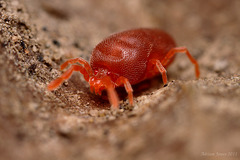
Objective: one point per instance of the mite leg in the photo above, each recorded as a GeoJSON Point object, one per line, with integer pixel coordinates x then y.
{"type": "Point", "coordinates": [173, 51]}
{"type": "Point", "coordinates": [112, 94]}
{"type": "Point", "coordinates": [161, 69]}
{"type": "Point", "coordinates": [57, 82]}
{"type": "Point", "coordinates": [128, 88]}
{"type": "Point", "coordinates": [78, 60]}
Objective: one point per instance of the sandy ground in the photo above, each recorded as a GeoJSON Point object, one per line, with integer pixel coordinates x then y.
{"type": "Point", "coordinates": [188, 119]}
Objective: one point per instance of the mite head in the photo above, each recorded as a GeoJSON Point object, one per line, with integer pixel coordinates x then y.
{"type": "Point", "coordinates": [97, 80]}
{"type": "Point", "coordinates": [101, 80]}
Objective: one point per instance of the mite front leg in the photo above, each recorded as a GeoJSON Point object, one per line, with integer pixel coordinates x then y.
{"type": "Point", "coordinates": [57, 82]}
{"type": "Point", "coordinates": [112, 94]}
{"type": "Point", "coordinates": [173, 51]}
{"type": "Point", "coordinates": [78, 60]}
{"type": "Point", "coordinates": [128, 88]}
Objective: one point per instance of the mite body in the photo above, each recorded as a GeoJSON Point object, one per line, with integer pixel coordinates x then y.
{"type": "Point", "coordinates": [124, 59]}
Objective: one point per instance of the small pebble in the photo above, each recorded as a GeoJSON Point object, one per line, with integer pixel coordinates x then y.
{"type": "Point", "coordinates": [220, 65]}
{"type": "Point", "coordinates": [93, 112]}
{"type": "Point", "coordinates": [33, 106]}
{"type": "Point", "coordinates": [111, 118]}
{"type": "Point", "coordinates": [34, 48]}
{"type": "Point", "coordinates": [15, 38]}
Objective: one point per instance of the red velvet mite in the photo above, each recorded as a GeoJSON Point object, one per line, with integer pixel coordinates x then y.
{"type": "Point", "coordinates": [124, 59]}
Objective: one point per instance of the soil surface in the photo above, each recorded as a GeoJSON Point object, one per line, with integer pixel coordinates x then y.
{"type": "Point", "coordinates": [187, 119]}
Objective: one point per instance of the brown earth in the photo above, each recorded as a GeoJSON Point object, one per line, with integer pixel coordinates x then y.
{"type": "Point", "coordinates": [188, 119]}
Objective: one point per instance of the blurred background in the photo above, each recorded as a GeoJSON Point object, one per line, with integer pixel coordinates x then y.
{"type": "Point", "coordinates": [188, 119]}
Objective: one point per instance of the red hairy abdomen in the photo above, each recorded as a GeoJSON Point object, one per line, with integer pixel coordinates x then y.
{"type": "Point", "coordinates": [128, 53]}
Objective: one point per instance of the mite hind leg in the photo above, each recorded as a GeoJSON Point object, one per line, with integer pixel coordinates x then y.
{"type": "Point", "coordinates": [156, 63]}
{"type": "Point", "coordinates": [57, 82]}
{"type": "Point", "coordinates": [173, 51]}
{"type": "Point", "coordinates": [128, 88]}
